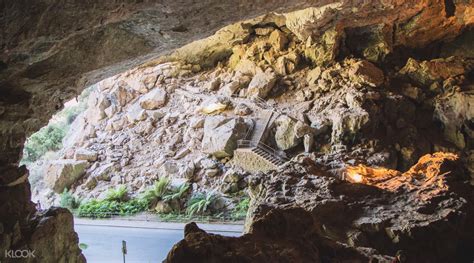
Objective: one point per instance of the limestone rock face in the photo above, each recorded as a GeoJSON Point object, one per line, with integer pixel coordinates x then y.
{"type": "Point", "coordinates": [61, 174]}
{"type": "Point", "coordinates": [153, 99]}
{"type": "Point", "coordinates": [427, 72]}
{"type": "Point", "coordinates": [85, 155]}
{"type": "Point", "coordinates": [261, 84]}
{"type": "Point", "coordinates": [454, 110]}
{"type": "Point", "coordinates": [293, 207]}
{"type": "Point", "coordinates": [221, 135]}
{"type": "Point", "coordinates": [286, 136]}
{"type": "Point", "coordinates": [54, 224]}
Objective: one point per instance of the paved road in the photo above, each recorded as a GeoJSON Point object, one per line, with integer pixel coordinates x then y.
{"type": "Point", "coordinates": [144, 244]}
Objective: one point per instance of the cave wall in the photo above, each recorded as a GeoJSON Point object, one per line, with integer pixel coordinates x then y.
{"type": "Point", "coordinates": [51, 50]}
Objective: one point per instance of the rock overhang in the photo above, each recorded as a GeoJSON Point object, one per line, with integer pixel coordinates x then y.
{"type": "Point", "coordinates": [46, 62]}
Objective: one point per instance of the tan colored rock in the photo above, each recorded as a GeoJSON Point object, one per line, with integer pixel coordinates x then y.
{"type": "Point", "coordinates": [278, 40]}
{"type": "Point", "coordinates": [313, 75]}
{"type": "Point", "coordinates": [247, 67]}
{"type": "Point", "coordinates": [136, 113]}
{"type": "Point", "coordinates": [286, 136]}
{"type": "Point", "coordinates": [242, 110]}
{"type": "Point", "coordinates": [286, 64]}
{"type": "Point", "coordinates": [91, 183]}
{"type": "Point", "coordinates": [454, 110]}
{"type": "Point", "coordinates": [61, 174]}
{"type": "Point", "coordinates": [367, 73]}
{"type": "Point", "coordinates": [261, 85]}
{"type": "Point", "coordinates": [85, 155]}
{"type": "Point", "coordinates": [230, 88]}
{"type": "Point", "coordinates": [221, 135]}
{"type": "Point", "coordinates": [427, 72]}
{"type": "Point", "coordinates": [153, 99]}
{"type": "Point", "coordinates": [163, 207]}
{"type": "Point", "coordinates": [121, 96]}
{"type": "Point", "coordinates": [213, 84]}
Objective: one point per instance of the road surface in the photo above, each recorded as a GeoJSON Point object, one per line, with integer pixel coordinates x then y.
{"type": "Point", "coordinates": [144, 244]}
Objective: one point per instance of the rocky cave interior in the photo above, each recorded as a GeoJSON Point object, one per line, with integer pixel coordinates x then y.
{"type": "Point", "coordinates": [369, 108]}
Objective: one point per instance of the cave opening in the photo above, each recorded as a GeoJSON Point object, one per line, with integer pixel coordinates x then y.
{"type": "Point", "coordinates": [295, 137]}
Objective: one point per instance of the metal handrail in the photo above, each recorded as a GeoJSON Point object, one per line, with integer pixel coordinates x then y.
{"type": "Point", "coordinates": [250, 129]}
{"type": "Point", "coordinates": [245, 143]}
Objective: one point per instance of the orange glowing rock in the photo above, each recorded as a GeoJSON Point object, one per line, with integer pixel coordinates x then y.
{"type": "Point", "coordinates": [369, 175]}
{"type": "Point", "coordinates": [428, 176]}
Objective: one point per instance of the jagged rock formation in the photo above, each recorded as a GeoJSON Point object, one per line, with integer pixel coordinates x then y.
{"type": "Point", "coordinates": [48, 54]}
{"type": "Point", "coordinates": [302, 214]}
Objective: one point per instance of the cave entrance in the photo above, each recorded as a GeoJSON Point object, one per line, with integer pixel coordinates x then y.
{"type": "Point", "coordinates": [43, 153]}
{"type": "Point", "coordinates": [120, 152]}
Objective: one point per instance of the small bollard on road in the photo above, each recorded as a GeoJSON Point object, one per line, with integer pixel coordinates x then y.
{"type": "Point", "coordinates": [124, 249]}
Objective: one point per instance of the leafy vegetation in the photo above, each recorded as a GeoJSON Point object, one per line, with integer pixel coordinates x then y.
{"type": "Point", "coordinates": [50, 137]}
{"type": "Point", "coordinates": [116, 202]}
{"type": "Point", "coordinates": [83, 246]}
{"type": "Point", "coordinates": [69, 201]}
{"type": "Point", "coordinates": [157, 191]}
{"type": "Point", "coordinates": [240, 210]}
{"type": "Point", "coordinates": [177, 193]}
{"type": "Point", "coordinates": [200, 203]}
{"type": "Point", "coordinates": [119, 195]}
{"type": "Point", "coordinates": [104, 208]}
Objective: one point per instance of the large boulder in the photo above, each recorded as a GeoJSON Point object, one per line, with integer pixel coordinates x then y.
{"type": "Point", "coordinates": [366, 72]}
{"type": "Point", "coordinates": [97, 103]}
{"type": "Point", "coordinates": [286, 135]}
{"type": "Point", "coordinates": [261, 85]}
{"type": "Point", "coordinates": [136, 113]}
{"type": "Point", "coordinates": [278, 40]}
{"type": "Point", "coordinates": [153, 99]}
{"type": "Point", "coordinates": [61, 174]}
{"type": "Point", "coordinates": [455, 110]}
{"type": "Point", "coordinates": [52, 238]}
{"type": "Point", "coordinates": [427, 72]}
{"type": "Point", "coordinates": [221, 135]}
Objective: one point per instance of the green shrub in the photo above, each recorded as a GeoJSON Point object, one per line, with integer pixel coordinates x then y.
{"type": "Point", "coordinates": [157, 191]}
{"type": "Point", "coordinates": [83, 246]}
{"type": "Point", "coordinates": [69, 201]}
{"type": "Point", "coordinates": [240, 210]}
{"type": "Point", "coordinates": [200, 203]}
{"type": "Point", "coordinates": [50, 137]}
{"type": "Point", "coordinates": [119, 195]}
{"type": "Point", "coordinates": [46, 139]}
{"type": "Point", "coordinates": [177, 192]}
{"type": "Point", "coordinates": [104, 208]}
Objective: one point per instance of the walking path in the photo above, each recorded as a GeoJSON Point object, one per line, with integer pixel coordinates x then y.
{"type": "Point", "coordinates": [237, 228]}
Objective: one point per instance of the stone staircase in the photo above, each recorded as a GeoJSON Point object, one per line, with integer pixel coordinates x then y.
{"type": "Point", "coordinates": [252, 154]}
{"type": "Point", "coordinates": [268, 156]}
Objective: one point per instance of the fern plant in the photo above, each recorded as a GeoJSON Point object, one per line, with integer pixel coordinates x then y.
{"type": "Point", "coordinates": [177, 193]}
{"type": "Point", "coordinates": [158, 191]}
{"type": "Point", "coordinates": [119, 195]}
{"type": "Point", "coordinates": [200, 203]}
